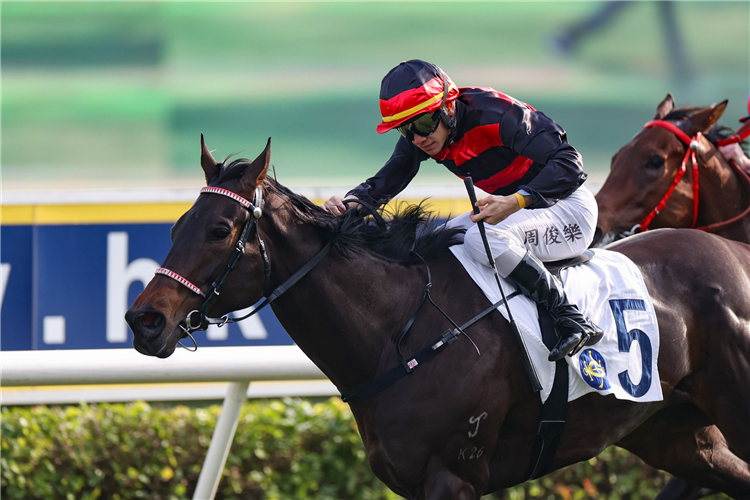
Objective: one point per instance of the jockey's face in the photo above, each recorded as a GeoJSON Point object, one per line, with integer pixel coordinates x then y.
{"type": "Point", "coordinates": [433, 143]}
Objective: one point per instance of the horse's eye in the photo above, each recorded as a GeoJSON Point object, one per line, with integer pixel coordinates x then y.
{"type": "Point", "coordinates": [655, 163]}
{"type": "Point", "coordinates": [220, 233]}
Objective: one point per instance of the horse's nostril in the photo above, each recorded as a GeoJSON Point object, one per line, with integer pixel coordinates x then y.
{"type": "Point", "coordinates": [148, 318]}
{"type": "Point", "coordinates": [148, 324]}
{"type": "Point", "coordinates": [152, 323]}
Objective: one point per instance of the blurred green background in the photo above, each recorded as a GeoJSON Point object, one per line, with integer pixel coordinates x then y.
{"type": "Point", "coordinates": [116, 94]}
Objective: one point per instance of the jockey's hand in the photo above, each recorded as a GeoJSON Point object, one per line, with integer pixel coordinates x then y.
{"type": "Point", "coordinates": [335, 205]}
{"type": "Point", "coordinates": [495, 208]}
{"type": "Point", "coordinates": [734, 153]}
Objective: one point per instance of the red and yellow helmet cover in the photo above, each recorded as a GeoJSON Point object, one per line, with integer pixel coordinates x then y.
{"type": "Point", "coordinates": [410, 89]}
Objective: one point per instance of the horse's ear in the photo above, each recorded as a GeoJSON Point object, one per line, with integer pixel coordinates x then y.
{"type": "Point", "coordinates": [665, 107]}
{"type": "Point", "coordinates": [256, 171]}
{"type": "Point", "coordinates": [210, 167]}
{"type": "Point", "coordinates": [706, 118]}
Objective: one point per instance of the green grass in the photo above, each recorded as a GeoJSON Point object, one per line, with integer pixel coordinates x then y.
{"type": "Point", "coordinates": [123, 89]}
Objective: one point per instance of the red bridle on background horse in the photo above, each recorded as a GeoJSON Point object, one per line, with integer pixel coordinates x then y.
{"type": "Point", "coordinates": [693, 143]}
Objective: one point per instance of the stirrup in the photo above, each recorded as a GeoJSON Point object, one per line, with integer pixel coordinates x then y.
{"type": "Point", "coordinates": [593, 339]}
{"type": "Point", "coordinates": [577, 347]}
{"type": "Point", "coordinates": [585, 339]}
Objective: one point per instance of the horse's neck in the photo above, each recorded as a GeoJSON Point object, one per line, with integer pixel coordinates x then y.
{"type": "Point", "coordinates": [723, 194]}
{"type": "Point", "coordinates": [347, 310]}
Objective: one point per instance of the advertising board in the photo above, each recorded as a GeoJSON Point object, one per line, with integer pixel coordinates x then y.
{"type": "Point", "coordinates": [69, 272]}
{"type": "Point", "coordinates": [70, 266]}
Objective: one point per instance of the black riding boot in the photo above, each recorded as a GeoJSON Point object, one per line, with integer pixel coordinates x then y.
{"type": "Point", "coordinates": [574, 330]}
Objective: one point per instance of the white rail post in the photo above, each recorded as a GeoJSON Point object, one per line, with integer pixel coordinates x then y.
{"type": "Point", "coordinates": [221, 442]}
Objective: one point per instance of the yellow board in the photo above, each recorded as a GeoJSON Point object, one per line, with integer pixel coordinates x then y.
{"type": "Point", "coordinates": [140, 213]}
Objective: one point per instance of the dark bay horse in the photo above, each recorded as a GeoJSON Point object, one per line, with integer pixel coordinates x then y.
{"type": "Point", "coordinates": [643, 171]}
{"type": "Point", "coordinates": [424, 435]}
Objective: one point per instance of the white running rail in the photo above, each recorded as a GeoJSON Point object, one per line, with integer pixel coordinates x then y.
{"type": "Point", "coordinates": [238, 365]}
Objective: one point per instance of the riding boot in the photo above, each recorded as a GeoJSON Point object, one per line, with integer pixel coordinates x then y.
{"type": "Point", "coordinates": [574, 330]}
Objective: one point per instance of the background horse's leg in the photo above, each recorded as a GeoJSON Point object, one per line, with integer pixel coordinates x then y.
{"type": "Point", "coordinates": [681, 440]}
{"type": "Point", "coordinates": [677, 489]}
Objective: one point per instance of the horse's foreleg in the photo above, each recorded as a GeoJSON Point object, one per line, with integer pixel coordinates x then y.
{"type": "Point", "coordinates": [444, 485]}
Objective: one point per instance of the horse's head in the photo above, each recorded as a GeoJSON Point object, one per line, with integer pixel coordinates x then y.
{"type": "Point", "coordinates": [643, 171]}
{"type": "Point", "coordinates": [203, 242]}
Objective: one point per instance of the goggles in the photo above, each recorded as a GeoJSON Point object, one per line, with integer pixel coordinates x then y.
{"type": "Point", "coordinates": [424, 126]}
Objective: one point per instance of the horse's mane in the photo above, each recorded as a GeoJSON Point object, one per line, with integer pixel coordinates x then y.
{"type": "Point", "coordinates": [410, 228]}
{"type": "Point", "coordinates": [714, 133]}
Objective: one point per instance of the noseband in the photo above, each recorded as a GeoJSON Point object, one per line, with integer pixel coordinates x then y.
{"type": "Point", "coordinates": [197, 319]}
{"type": "Point", "coordinates": [692, 145]}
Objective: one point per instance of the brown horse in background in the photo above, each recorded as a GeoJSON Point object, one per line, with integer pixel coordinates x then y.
{"type": "Point", "coordinates": [424, 437]}
{"type": "Point", "coordinates": [643, 170]}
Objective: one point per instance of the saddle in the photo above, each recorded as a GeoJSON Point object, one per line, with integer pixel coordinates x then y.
{"type": "Point", "coordinates": [555, 267]}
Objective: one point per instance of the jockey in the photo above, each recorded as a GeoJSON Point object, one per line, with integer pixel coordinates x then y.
{"type": "Point", "coordinates": [538, 209]}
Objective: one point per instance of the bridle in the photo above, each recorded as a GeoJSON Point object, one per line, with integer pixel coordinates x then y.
{"type": "Point", "coordinates": [196, 319]}
{"type": "Point", "coordinates": [692, 146]}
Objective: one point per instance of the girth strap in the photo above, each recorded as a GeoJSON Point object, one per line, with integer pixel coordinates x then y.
{"type": "Point", "coordinates": [396, 373]}
{"type": "Point", "coordinates": [554, 410]}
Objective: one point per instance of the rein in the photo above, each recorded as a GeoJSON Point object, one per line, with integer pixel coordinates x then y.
{"type": "Point", "coordinates": [692, 145]}
{"type": "Point", "coordinates": [202, 321]}
{"type": "Point", "coordinates": [742, 133]}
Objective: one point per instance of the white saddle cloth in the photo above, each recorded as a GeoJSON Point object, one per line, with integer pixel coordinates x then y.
{"type": "Point", "coordinates": [610, 290]}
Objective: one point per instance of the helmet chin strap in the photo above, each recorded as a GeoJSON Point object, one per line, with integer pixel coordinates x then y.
{"type": "Point", "coordinates": [450, 124]}
{"type": "Point", "coordinates": [448, 120]}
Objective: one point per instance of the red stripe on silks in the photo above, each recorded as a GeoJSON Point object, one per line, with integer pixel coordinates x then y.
{"type": "Point", "coordinates": [474, 142]}
{"type": "Point", "coordinates": [506, 97]}
{"type": "Point", "coordinates": [506, 176]}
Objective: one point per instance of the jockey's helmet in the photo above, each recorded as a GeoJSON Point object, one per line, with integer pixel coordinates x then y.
{"type": "Point", "coordinates": [412, 89]}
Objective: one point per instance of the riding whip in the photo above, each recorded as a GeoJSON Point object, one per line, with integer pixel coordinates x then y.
{"type": "Point", "coordinates": [527, 363]}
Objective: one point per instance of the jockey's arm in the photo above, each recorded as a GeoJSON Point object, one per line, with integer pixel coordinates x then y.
{"type": "Point", "coordinates": [734, 153]}
{"type": "Point", "coordinates": [495, 208]}
{"type": "Point", "coordinates": [390, 180]}
{"type": "Point", "coordinates": [534, 135]}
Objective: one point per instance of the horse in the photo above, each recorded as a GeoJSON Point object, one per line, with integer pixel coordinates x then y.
{"type": "Point", "coordinates": [656, 181]}
{"type": "Point", "coordinates": [462, 425]}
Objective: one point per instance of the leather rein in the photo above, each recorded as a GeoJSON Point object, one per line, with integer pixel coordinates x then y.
{"type": "Point", "coordinates": [692, 146]}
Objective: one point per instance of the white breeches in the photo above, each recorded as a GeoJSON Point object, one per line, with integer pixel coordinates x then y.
{"type": "Point", "coordinates": [561, 231]}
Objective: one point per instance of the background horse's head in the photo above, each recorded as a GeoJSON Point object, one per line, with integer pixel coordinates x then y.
{"type": "Point", "coordinates": [203, 240]}
{"type": "Point", "coordinates": [644, 169]}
